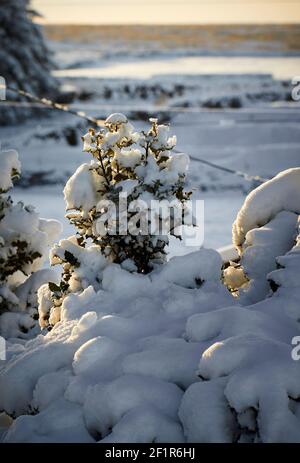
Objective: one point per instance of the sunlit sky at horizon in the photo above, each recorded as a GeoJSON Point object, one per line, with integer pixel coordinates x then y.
{"type": "Point", "coordinates": [168, 11]}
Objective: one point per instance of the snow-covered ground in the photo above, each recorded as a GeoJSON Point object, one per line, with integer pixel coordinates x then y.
{"type": "Point", "coordinates": [172, 356]}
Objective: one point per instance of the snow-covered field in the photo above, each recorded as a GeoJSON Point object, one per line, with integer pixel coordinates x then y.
{"type": "Point", "coordinates": [279, 67]}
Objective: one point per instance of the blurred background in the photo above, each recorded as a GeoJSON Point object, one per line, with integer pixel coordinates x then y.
{"type": "Point", "coordinates": [223, 73]}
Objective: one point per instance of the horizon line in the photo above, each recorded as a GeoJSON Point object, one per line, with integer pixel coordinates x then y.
{"type": "Point", "coordinates": [172, 24]}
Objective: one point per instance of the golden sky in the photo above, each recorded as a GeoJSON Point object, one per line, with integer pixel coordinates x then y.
{"type": "Point", "coordinates": [168, 11]}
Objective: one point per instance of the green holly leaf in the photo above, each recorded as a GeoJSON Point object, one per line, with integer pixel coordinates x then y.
{"type": "Point", "coordinates": [71, 259]}
{"type": "Point", "coordinates": [54, 288]}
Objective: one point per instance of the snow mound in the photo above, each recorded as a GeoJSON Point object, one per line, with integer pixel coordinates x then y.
{"type": "Point", "coordinates": [118, 360]}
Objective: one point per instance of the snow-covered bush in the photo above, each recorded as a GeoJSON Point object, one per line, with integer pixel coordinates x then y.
{"type": "Point", "coordinates": [141, 166]}
{"type": "Point", "coordinates": [250, 387]}
{"type": "Point", "coordinates": [128, 172]}
{"type": "Point", "coordinates": [265, 228]}
{"type": "Point", "coordinates": [24, 242]}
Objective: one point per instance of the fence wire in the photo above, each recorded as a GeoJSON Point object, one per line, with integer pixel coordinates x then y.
{"type": "Point", "coordinates": [100, 123]}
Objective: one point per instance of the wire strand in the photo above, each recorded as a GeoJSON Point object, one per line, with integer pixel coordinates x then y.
{"type": "Point", "coordinates": [100, 123]}
{"type": "Point", "coordinates": [249, 178]}
{"type": "Point", "coordinates": [52, 105]}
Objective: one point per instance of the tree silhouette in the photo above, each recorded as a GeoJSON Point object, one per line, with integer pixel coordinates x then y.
{"type": "Point", "coordinates": [25, 61]}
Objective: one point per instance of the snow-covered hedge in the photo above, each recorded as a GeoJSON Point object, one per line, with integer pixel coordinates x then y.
{"type": "Point", "coordinates": [24, 243]}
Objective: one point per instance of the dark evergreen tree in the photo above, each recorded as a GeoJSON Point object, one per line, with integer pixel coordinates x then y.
{"type": "Point", "coordinates": [24, 57]}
